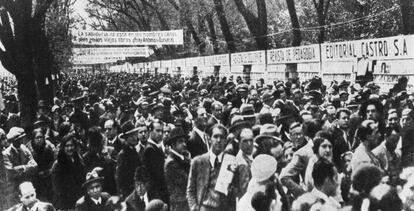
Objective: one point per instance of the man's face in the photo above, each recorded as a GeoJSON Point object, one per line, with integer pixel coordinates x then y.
{"type": "Point", "coordinates": [94, 190]}
{"type": "Point", "coordinates": [216, 94]}
{"type": "Point", "coordinates": [243, 94]}
{"type": "Point", "coordinates": [39, 139]}
{"type": "Point", "coordinates": [246, 142]}
{"type": "Point", "coordinates": [288, 154]}
{"type": "Point", "coordinates": [325, 150]}
{"type": "Point", "coordinates": [142, 134]}
{"type": "Point", "coordinates": [297, 98]}
{"type": "Point", "coordinates": [218, 111]}
{"type": "Point", "coordinates": [393, 119]}
{"type": "Point", "coordinates": [159, 114]}
{"type": "Point", "coordinates": [140, 188]}
{"type": "Point", "coordinates": [166, 132]}
{"type": "Point", "coordinates": [28, 197]}
{"type": "Point", "coordinates": [218, 140]}
{"type": "Point", "coordinates": [69, 148]}
{"type": "Point", "coordinates": [372, 112]}
{"type": "Point", "coordinates": [297, 137]}
{"type": "Point", "coordinates": [195, 102]}
{"type": "Point", "coordinates": [180, 146]}
{"type": "Point", "coordinates": [156, 133]}
{"type": "Point", "coordinates": [405, 120]}
{"type": "Point", "coordinates": [202, 117]}
{"type": "Point", "coordinates": [254, 95]}
{"type": "Point", "coordinates": [110, 131]}
{"type": "Point", "coordinates": [343, 120]}
{"type": "Point", "coordinates": [132, 139]}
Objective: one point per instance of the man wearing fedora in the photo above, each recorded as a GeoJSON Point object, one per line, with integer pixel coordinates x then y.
{"type": "Point", "coordinates": [18, 161]}
{"type": "Point", "coordinates": [128, 159]}
{"type": "Point", "coordinates": [94, 199]}
{"type": "Point", "coordinates": [177, 167]}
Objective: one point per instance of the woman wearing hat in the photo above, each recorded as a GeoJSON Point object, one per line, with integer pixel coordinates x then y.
{"type": "Point", "coordinates": [94, 199]}
{"type": "Point", "coordinates": [176, 168]}
{"type": "Point", "coordinates": [68, 174]}
{"type": "Point", "coordinates": [263, 171]}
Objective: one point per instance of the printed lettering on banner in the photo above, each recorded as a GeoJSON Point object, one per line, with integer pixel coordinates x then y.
{"type": "Point", "coordinates": [300, 54]}
{"type": "Point", "coordinates": [253, 57]}
{"type": "Point", "coordinates": [112, 51]}
{"type": "Point", "coordinates": [398, 47]}
{"type": "Point", "coordinates": [194, 61]}
{"type": "Point", "coordinates": [89, 37]}
{"type": "Point", "coordinates": [217, 60]}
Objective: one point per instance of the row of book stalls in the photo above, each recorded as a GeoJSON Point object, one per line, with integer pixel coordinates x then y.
{"type": "Point", "coordinates": [382, 60]}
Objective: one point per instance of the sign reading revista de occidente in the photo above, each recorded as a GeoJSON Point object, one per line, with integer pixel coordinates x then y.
{"type": "Point", "coordinates": [90, 37]}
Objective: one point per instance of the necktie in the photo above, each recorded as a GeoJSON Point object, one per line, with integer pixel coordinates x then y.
{"type": "Point", "coordinates": [216, 162]}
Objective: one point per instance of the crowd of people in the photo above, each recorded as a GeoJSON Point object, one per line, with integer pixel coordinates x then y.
{"type": "Point", "coordinates": [123, 141]}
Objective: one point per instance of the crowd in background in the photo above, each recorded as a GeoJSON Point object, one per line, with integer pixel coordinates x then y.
{"type": "Point", "coordinates": [157, 142]}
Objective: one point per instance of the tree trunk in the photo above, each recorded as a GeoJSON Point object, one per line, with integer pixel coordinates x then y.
{"type": "Point", "coordinates": [43, 63]}
{"type": "Point", "coordinates": [228, 36]}
{"type": "Point", "coordinates": [26, 90]}
{"type": "Point", "coordinates": [407, 13]}
{"type": "Point", "coordinates": [213, 35]}
{"type": "Point", "coordinates": [297, 37]}
{"type": "Point", "coordinates": [202, 31]}
{"type": "Point", "coordinates": [255, 24]}
{"type": "Point", "coordinates": [262, 28]}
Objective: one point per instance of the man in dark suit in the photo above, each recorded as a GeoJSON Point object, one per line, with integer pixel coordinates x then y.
{"type": "Point", "coordinates": [27, 194]}
{"type": "Point", "coordinates": [216, 114]}
{"type": "Point", "coordinates": [204, 171]}
{"type": "Point", "coordinates": [138, 199]}
{"type": "Point", "coordinates": [128, 160]}
{"type": "Point", "coordinates": [153, 159]}
{"type": "Point", "coordinates": [198, 144]}
{"type": "Point", "coordinates": [177, 167]}
{"type": "Point", "coordinates": [94, 199]}
{"type": "Point", "coordinates": [340, 131]}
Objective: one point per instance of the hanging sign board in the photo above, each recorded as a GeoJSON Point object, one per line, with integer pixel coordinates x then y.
{"type": "Point", "coordinates": [112, 51]}
{"type": "Point", "coordinates": [89, 37]}
{"type": "Point", "coordinates": [300, 54]}
{"type": "Point", "coordinates": [398, 47]}
{"type": "Point", "coordinates": [252, 57]}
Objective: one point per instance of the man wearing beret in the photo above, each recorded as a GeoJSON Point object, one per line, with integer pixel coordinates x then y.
{"type": "Point", "coordinates": [176, 168]}
{"type": "Point", "coordinates": [19, 162]}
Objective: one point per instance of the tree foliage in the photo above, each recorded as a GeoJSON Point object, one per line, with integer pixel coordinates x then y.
{"type": "Point", "coordinates": [29, 35]}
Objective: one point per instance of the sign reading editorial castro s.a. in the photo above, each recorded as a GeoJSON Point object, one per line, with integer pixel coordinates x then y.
{"type": "Point", "coordinates": [89, 37]}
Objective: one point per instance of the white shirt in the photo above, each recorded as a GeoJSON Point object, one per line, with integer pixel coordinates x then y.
{"type": "Point", "coordinates": [145, 199]}
{"type": "Point", "coordinates": [153, 142]}
{"type": "Point", "coordinates": [177, 154]}
{"type": "Point", "coordinates": [213, 157]}
{"type": "Point", "coordinates": [97, 201]}
{"type": "Point", "coordinates": [202, 135]}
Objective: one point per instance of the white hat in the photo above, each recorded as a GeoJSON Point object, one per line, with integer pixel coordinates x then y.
{"type": "Point", "coordinates": [15, 133]}
{"type": "Point", "coordinates": [263, 167]}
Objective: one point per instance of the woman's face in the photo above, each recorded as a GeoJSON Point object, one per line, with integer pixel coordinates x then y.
{"type": "Point", "coordinates": [69, 148]}
{"type": "Point", "coordinates": [325, 150]}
